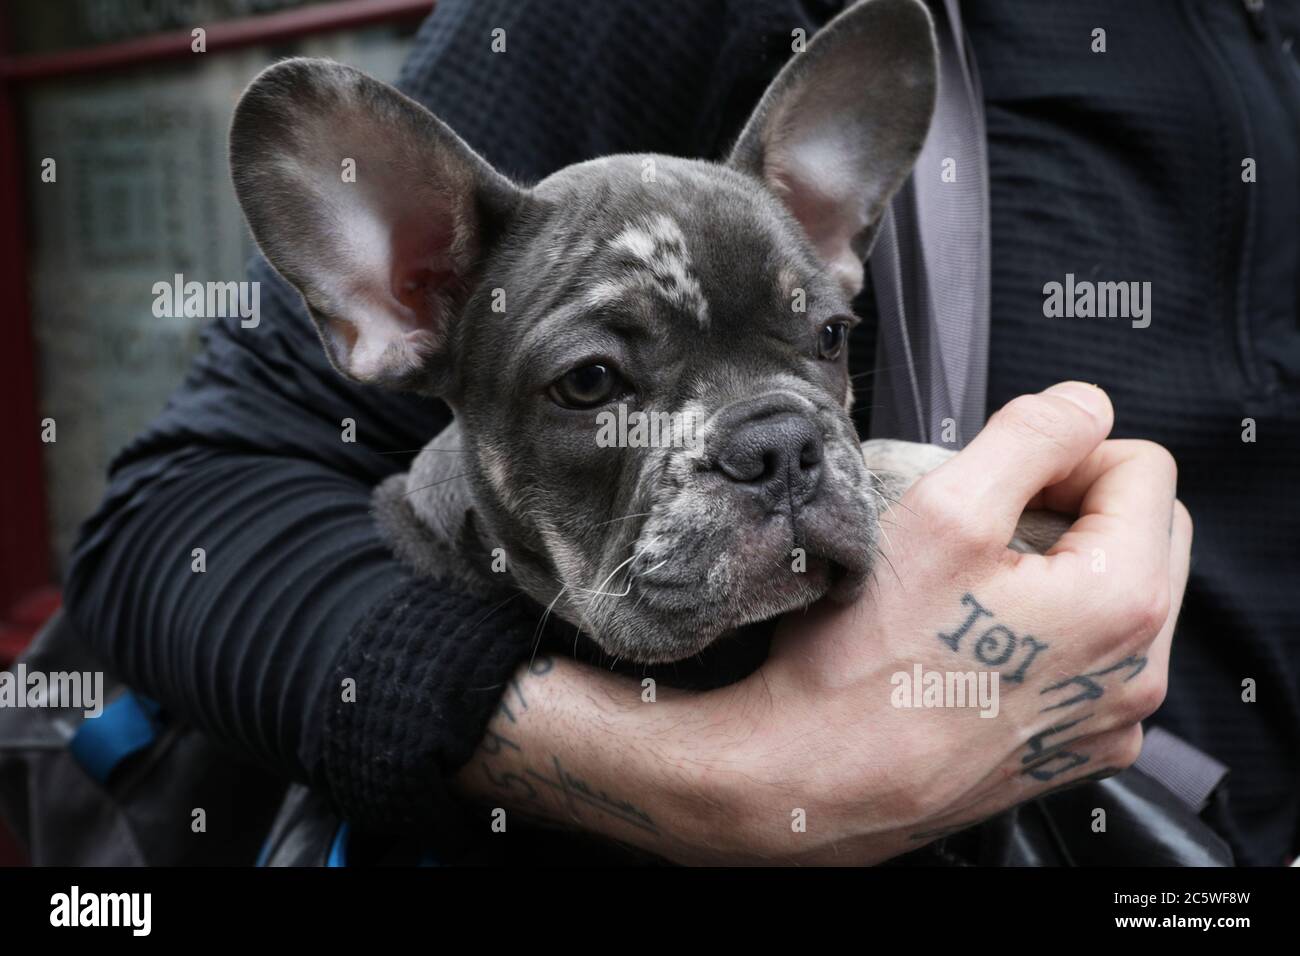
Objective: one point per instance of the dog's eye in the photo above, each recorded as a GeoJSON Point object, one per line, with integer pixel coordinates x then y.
{"type": "Point", "coordinates": [830, 342]}
{"type": "Point", "coordinates": [587, 387]}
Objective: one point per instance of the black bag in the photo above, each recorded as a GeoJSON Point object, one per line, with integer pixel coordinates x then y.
{"type": "Point", "coordinates": [123, 788]}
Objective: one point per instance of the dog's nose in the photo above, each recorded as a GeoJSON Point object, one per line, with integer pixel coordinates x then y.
{"type": "Point", "coordinates": [778, 457]}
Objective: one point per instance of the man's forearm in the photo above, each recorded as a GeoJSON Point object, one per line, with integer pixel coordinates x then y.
{"type": "Point", "coordinates": [574, 746]}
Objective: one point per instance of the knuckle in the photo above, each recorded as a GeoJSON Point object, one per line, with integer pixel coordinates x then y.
{"type": "Point", "coordinates": [1142, 609]}
{"type": "Point", "coordinates": [1159, 457]}
{"type": "Point", "coordinates": [1183, 519]}
{"type": "Point", "coordinates": [943, 508]}
{"type": "Point", "coordinates": [1128, 747]}
{"type": "Point", "coordinates": [1146, 699]}
{"type": "Point", "coordinates": [1151, 613]}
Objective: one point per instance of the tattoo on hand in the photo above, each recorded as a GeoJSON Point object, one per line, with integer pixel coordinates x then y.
{"type": "Point", "coordinates": [1044, 758]}
{"type": "Point", "coordinates": [1049, 762]}
{"type": "Point", "coordinates": [1091, 689]}
{"type": "Point", "coordinates": [997, 645]}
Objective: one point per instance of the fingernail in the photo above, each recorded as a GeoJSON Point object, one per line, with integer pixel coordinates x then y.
{"type": "Point", "coordinates": [1088, 397]}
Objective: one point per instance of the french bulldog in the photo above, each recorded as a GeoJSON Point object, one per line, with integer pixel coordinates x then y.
{"type": "Point", "coordinates": [715, 293]}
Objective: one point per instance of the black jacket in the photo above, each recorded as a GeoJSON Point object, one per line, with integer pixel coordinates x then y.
{"type": "Point", "coordinates": [1116, 166]}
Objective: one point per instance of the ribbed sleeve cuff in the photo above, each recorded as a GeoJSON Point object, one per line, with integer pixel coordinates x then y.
{"type": "Point", "coordinates": [429, 667]}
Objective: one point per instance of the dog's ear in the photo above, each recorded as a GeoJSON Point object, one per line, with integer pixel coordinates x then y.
{"type": "Point", "coordinates": [838, 130]}
{"type": "Point", "coordinates": [373, 208]}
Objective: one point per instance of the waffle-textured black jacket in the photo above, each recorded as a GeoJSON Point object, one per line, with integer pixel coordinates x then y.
{"type": "Point", "coordinates": [1125, 165]}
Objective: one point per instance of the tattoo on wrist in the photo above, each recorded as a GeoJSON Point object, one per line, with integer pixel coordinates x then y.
{"type": "Point", "coordinates": [548, 791]}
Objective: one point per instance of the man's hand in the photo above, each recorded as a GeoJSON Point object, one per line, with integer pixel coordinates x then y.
{"type": "Point", "coordinates": [808, 760]}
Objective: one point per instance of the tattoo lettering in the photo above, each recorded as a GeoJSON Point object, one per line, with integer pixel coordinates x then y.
{"type": "Point", "coordinates": [1042, 755]}
{"type": "Point", "coordinates": [553, 791]}
{"type": "Point", "coordinates": [1049, 762]}
{"type": "Point", "coordinates": [997, 644]}
{"type": "Point", "coordinates": [494, 742]}
{"type": "Point", "coordinates": [512, 782]}
{"type": "Point", "coordinates": [575, 791]}
{"type": "Point", "coordinates": [1090, 689]}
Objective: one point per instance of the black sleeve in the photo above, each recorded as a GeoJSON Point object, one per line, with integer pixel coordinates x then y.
{"type": "Point", "coordinates": [251, 639]}
{"type": "Point", "coordinates": [249, 460]}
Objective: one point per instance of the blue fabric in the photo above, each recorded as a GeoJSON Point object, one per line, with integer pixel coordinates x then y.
{"type": "Point", "coordinates": [339, 848]}
{"type": "Point", "coordinates": [338, 855]}
{"type": "Point", "coordinates": [124, 728]}
{"type": "Point", "coordinates": [264, 854]}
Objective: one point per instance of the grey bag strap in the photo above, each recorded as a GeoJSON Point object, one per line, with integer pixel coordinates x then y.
{"type": "Point", "coordinates": [1190, 774]}
{"type": "Point", "coordinates": [930, 266]}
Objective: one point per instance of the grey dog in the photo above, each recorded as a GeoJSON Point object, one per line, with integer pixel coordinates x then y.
{"type": "Point", "coordinates": [715, 293]}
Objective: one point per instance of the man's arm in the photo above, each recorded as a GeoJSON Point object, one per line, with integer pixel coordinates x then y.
{"type": "Point", "coordinates": [577, 747]}
{"type": "Point", "coordinates": [812, 759]}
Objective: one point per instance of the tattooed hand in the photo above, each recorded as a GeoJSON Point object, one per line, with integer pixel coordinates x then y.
{"type": "Point", "coordinates": [811, 759]}
{"type": "Point", "coordinates": [1079, 638]}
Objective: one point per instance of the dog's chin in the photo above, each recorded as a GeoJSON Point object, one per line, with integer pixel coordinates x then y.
{"type": "Point", "coordinates": [660, 624]}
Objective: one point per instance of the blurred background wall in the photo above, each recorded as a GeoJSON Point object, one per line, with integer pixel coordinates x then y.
{"type": "Point", "coordinates": [136, 122]}
{"type": "Point", "coordinates": [133, 118]}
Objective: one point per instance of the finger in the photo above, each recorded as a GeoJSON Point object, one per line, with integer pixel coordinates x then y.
{"type": "Point", "coordinates": [1066, 496]}
{"type": "Point", "coordinates": [1034, 441]}
{"type": "Point", "coordinates": [1131, 682]}
{"type": "Point", "coordinates": [1180, 547]}
{"type": "Point", "coordinates": [1125, 501]}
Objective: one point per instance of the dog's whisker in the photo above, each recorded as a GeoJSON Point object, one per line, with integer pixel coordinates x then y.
{"type": "Point", "coordinates": [631, 572]}
{"type": "Point", "coordinates": [411, 451]}
{"type": "Point", "coordinates": [435, 484]}
{"type": "Point", "coordinates": [888, 562]}
{"type": "Point", "coordinates": [877, 370]}
{"type": "Point", "coordinates": [541, 625]}
{"type": "Point", "coordinates": [640, 514]}
{"type": "Point", "coordinates": [599, 591]}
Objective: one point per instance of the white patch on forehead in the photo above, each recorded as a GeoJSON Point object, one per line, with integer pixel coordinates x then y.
{"type": "Point", "coordinates": [640, 242]}
{"type": "Point", "coordinates": [787, 282]}
{"type": "Point", "coordinates": [659, 246]}
{"type": "Point", "coordinates": [559, 254]}
{"type": "Point", "coordinates": [605, 292]}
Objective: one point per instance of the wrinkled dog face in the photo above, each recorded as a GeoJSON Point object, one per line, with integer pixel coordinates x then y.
{"type": "Point", "coordinates": [674, 300]}
{"type": "Point", "coordinates": [646, 355]}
